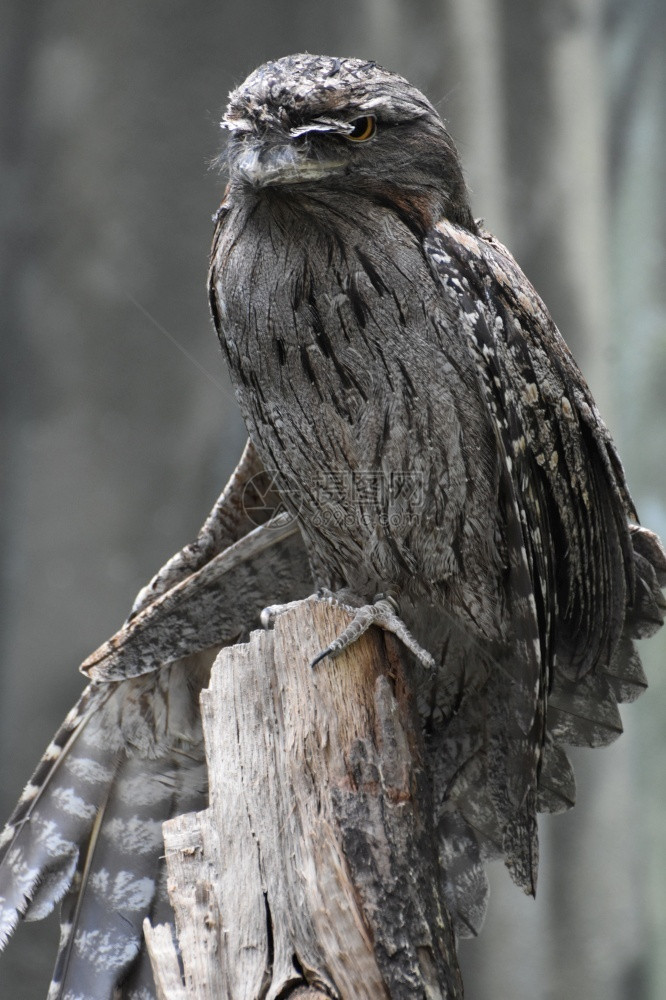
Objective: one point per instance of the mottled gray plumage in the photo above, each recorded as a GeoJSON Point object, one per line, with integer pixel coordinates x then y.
{"type": "Point", "coordinates": [431, 433]}
{"type": "Point", "coordinates": [88, 827]}
{"type": "Point", "coordinates": [436, 439]}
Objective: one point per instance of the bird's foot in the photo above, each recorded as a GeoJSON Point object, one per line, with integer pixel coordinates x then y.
{"type": "Point", "coordinates": [383, 612]}
{"type": "Point", "coordinates": [270, 615]}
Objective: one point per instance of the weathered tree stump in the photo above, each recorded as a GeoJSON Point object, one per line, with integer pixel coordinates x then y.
{"type": "Point", "coordinates": [313, 873]}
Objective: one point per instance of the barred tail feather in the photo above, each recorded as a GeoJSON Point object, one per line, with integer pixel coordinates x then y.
{"type": "Point", "coordinates": [39, 846]}
{"type": "Point", "coordinates": [88, 829]}
{"type": "Point", "coordinates": [129, 756]}
{"type": "Point", "coordinates": [119, 882]}
{"type": "Point", "coordinates": [139, 984]}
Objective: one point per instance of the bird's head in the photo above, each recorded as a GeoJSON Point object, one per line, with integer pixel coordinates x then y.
{"type": "Point", "coordinates": [344, 125]}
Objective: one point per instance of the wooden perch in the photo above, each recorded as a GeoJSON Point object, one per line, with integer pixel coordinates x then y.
{"type": "Point", "coordinates": [313, 873]}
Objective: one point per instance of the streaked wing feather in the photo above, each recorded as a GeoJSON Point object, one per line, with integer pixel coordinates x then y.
{"type": "Point", "coordinates": [214, 606]}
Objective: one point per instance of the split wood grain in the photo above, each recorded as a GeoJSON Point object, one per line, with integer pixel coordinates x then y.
{"type": "Point", "coordinates": [315, 865]}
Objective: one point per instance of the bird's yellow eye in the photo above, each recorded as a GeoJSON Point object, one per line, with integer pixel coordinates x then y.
{"type": "Point", "coordinates": [362, 128]}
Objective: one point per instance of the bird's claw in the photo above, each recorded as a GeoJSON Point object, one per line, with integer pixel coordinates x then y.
{"type": "Point", "coordinates": [383, 612]}
{"type": "Point", "coordinates": [269, 615]}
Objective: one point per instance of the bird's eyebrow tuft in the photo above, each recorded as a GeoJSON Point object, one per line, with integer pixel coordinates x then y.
{"type": "Point", "coordinates": [236, 124]}
{"type": "Point", "coordinates": [374, 102]}
{"type": "Point", "coordinates": [321, 124]}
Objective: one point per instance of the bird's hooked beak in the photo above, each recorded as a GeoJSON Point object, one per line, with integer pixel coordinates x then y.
{"type": "Point", "coordinates": [273, 160]}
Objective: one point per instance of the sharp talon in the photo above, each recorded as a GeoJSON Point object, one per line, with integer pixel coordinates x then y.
{"type": "Point", "coordinates": [266, 617]}
{"type": "Point", "coordinates": [320, 656]}
{"type": "Point", "coordinates": [269, 615]}
{"type": "Point", "coordinates": [383, 613]}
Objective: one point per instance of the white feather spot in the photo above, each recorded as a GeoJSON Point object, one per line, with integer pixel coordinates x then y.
{"type": "Point", "coordinates": [52, 752]}
{"type": "Point", "coordinates": [90, 770]}
{"type": "Point", "coordinates": [23, 876]}
{"type": "Point", "coordinates": [135, 835]}
{"type": "Point", "coordinates": [7, 834]}
{"type": "Point", "coordinates": [71, 803]}
{"type": "Point", "coordinates": [123, 891]}
{"type": "Point", "coordinates": [47, 832]}
{"type": "Point", "coordinates": [29, 792]}
{"type": "Point", "coordinates": [106, 949]}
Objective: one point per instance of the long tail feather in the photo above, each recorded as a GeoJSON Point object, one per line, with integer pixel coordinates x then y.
{"type": "Point", "coordinates": [39, 846]}
{"type": "Point", "coordinates": [102, 918]}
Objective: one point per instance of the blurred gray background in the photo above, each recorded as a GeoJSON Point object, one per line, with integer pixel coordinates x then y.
{"type": "Point", "coordinates": [119, 426]}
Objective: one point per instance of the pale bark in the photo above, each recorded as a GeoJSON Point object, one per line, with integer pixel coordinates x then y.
{"type": "Point", "coordinates": [164, 960]}
{"type": "Point", "coordinates": [116, 445]}
{"type": "Point", "coordinates": [315, 864]}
